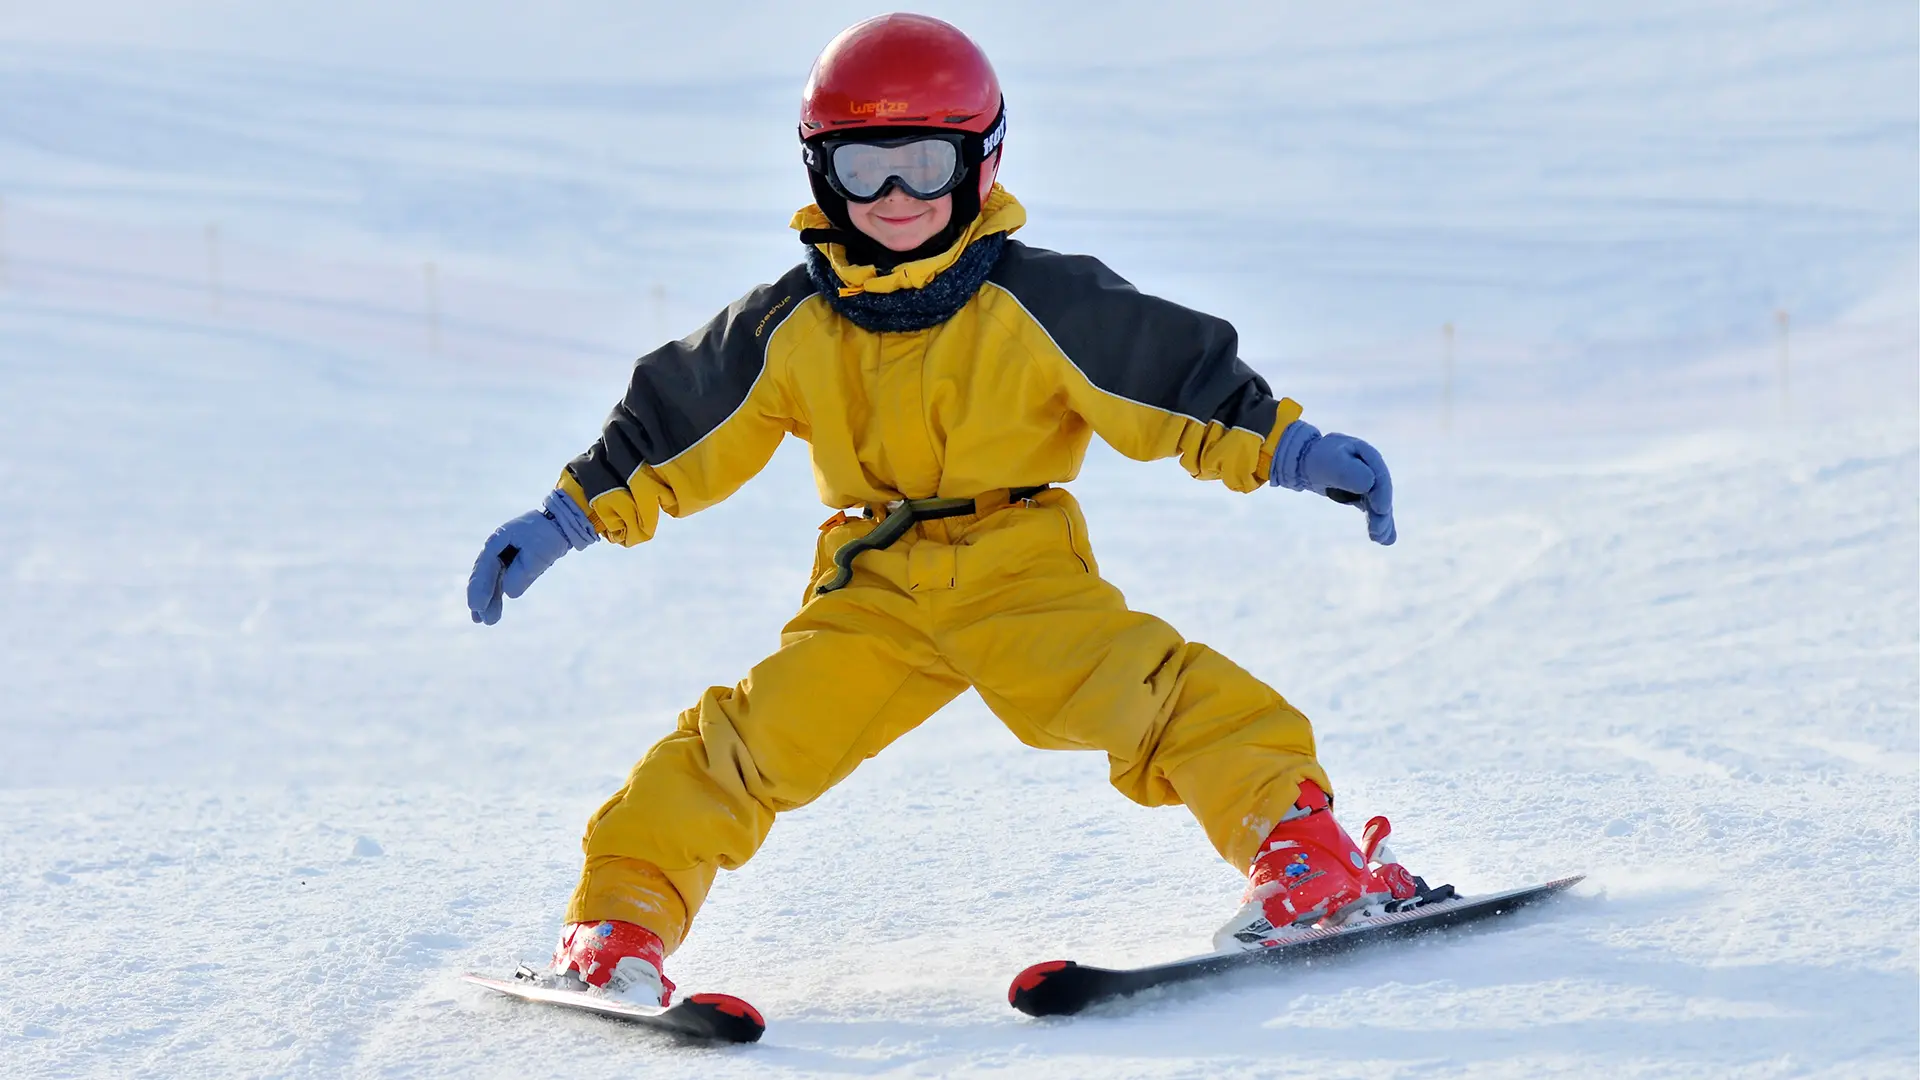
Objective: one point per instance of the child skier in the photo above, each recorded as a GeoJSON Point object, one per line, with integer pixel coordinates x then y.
{"type": "Point", "coordinates": [948, 379]}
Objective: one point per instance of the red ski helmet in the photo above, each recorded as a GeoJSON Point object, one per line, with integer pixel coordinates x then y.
{"type": "Point", "coordinates": [900, 71]}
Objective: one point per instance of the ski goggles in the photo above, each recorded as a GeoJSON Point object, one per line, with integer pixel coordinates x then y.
{"type": "Point", "coordinates": [925, 165]}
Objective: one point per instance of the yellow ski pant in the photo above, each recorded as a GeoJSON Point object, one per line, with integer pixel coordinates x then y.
{"type": "Point", "coordinates": [1011, 604]}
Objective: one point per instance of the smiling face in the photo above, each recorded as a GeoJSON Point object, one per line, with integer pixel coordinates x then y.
{"type": "Point", "coordinates": [900, 222]}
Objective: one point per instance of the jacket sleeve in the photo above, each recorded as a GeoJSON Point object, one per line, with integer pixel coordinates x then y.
{"type": "Point", "coordinates": [700, 417]}
{"type": "Point", "coordinates": [1152, 378]}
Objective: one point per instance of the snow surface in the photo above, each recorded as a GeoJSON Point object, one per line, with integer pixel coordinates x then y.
{"type": "Point", "coordinates": [1654, 615]}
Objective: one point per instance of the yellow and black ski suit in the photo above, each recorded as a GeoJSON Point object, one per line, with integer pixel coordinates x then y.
{"type": "Point", "coordinates": [1003, 395]}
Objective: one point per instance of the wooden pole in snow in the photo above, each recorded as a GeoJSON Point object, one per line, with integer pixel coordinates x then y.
{"type": "Point", "coordinates": [213, 266]}
{"type": "Point", "coordinates": [1786, 365]}
{"type": "Point", "coordinates": [432, 280]}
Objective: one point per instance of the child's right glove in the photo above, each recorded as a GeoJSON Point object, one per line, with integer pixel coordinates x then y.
{"type": "Point", "coordinates": [1342, 468]}
{"type": "Point", "coordinates": [521, 550]}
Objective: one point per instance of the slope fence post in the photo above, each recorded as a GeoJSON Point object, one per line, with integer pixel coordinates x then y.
{"type": "Point", "coordinates": [431, 277]}
{"type": "Point", "coordinates": [1786, 365]}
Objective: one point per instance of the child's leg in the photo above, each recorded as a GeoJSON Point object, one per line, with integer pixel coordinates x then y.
{"type": "Point", "coordinates": [854, 672]}
{"type": "Point", "coordinates": [1063, 662]}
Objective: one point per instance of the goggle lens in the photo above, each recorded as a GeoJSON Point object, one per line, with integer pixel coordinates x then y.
{"type": "Point", "coordinates": [925, 168]}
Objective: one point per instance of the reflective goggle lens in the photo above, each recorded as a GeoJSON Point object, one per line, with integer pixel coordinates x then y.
{"type": "Point", "coordinates": [926, 168]}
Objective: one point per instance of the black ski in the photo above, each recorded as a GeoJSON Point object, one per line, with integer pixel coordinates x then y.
{"type": "Point", "coordinates": [1063, 987]}
{"type": "Point", "coordinates": [713, 1017]}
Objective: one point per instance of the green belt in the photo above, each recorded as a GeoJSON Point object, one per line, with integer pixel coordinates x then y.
{"type": "Point", "coordinates": [896, 524]}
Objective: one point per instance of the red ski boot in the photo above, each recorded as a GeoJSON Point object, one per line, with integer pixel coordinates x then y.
{"type": "Point", "coordinates": [1310, 873]}
{"type": "Point", "coordinates": [618, 959]}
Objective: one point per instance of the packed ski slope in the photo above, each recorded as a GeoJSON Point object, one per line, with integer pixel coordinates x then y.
{"type": "Point", "coordinates": [1654, 614]}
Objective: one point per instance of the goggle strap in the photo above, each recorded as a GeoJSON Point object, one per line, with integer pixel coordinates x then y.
{"type": "Point", "coordinates": [974, 149]}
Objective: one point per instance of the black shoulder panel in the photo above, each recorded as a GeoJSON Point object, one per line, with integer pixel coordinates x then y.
{"type": "Point", "coordinates": [682, 391]}
{"type": "Point", "coordinates": [1139, 347]}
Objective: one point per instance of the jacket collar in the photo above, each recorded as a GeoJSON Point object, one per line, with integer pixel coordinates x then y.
{"type": "Point", "coordinates": [999, 213]}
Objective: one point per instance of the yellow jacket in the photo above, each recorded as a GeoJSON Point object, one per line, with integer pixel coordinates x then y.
{"type": "Point", "coordinates": [1005, 393]}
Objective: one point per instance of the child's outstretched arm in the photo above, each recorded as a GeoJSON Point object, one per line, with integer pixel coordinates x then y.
{"type": "Point", "coordinates": [1156, 380]}
{"type": "Point", "coordinates": [1152, 378]}
{"type": "Point", "coordinates": [700, 417]}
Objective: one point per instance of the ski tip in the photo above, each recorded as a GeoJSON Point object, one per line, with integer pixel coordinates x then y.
{"type": "Point", "coordinates": [1049, 989]}
{"type": "Point", "coordinates": [729, 1017]}
{"type": "Point", "coordinates": [1030, 979]}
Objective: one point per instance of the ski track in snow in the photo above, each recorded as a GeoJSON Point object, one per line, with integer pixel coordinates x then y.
{"type": "Point", "coordinates": [265, 791]}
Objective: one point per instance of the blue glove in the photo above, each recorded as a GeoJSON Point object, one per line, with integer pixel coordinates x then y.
{"type": "Point", "coordinates": [1342, 468]}
{"type": "Point", "coordinates": [521, 550]}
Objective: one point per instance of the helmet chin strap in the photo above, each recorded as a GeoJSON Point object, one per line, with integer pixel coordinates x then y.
{"type": "Point", "coordinates": [863, 250]}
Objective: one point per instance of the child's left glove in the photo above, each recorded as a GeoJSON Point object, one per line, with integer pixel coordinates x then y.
{"type": "Point", "coordinates": [521, 550]}
{"type": "Point", "coordinates": [1342, 468]}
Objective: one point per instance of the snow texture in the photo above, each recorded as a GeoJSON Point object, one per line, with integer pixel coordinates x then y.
{"type": "Point", "coordinates": [298, 302]}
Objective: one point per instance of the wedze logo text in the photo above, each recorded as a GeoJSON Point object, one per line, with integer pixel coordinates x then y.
{"type": "Point", "coordinates": [879, 108]}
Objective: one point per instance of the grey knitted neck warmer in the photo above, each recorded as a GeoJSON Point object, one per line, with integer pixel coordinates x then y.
{"type": "Point", "coordinates": [906, 310]}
